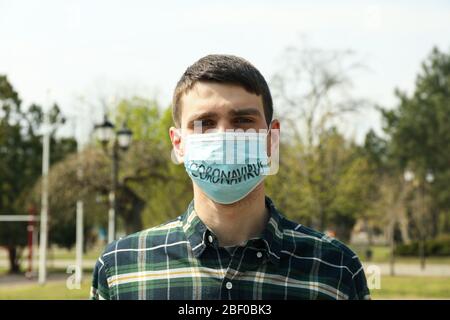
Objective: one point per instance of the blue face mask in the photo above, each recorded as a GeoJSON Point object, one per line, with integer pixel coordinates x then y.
{"type": "Point", "coordinates": [227, 166]}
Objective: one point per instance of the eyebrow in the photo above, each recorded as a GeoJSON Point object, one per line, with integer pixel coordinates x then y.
{"type": "Point", "coordinates": [233, 112]}
{"type": "Point", "coordinates": [202, 115]}
{"type": "Point", "coordinates": [246, 112]}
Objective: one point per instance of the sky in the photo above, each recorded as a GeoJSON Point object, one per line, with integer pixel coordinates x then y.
{"type": "Point", "coordinates": [63, 50]}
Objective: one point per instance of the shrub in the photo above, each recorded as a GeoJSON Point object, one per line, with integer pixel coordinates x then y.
{"type": "Point", "coordinates": [439, 246]}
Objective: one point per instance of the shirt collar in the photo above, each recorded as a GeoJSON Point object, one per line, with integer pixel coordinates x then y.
{"type": "Point", "coordinates": [195, 230]}
{"type": "Point", "coordinates": [199, 236]}
{"type": "Point", "coordinates": [273, 233]}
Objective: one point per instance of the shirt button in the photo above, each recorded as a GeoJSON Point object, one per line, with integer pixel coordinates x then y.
{"type": "Point", "coordinates": [210, 238]}
{"type": "Point", "coordinates": [229, 285]}
{"type": "Point", "coordinates": [259, 254]}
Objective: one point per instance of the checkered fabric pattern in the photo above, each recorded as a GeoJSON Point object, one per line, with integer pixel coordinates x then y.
{"type": "Point", "coordinates": [181, 259]}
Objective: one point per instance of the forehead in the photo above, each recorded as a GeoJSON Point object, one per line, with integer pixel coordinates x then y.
{"type": "Point", "coordinates": [217, 97]}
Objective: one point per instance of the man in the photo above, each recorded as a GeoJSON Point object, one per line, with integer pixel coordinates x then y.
{"type": "Point", "coordinates": [232, 242]}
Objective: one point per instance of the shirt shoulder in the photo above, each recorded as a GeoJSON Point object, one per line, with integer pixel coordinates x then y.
{"type": "Point", "coordinates": [300, 238]}
{"type": "Point", "coordinates": [144, 240]}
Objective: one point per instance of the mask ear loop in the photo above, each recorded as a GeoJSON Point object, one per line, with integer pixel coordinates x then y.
{"type": "Point", "coordinates": [274, 151]}
{"type": "Point", "coordinates": [177, 154]}
{"type": "Point", "coordinates": [269, 134]}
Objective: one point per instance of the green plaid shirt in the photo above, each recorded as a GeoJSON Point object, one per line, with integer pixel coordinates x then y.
{"type": "Point", "coordinates": [181, 259]}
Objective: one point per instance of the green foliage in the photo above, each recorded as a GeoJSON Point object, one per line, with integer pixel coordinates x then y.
{"type": "Point", "coordinates": [439, 246]}
{"type": "Point", "coordinates": [326, 187]}
{"type": "Point", "coordinates": [21, 157]}
{"type": "Point", "coordinates": [142, 116]}
{"type": "Point", "coordinates": [419, 128]}
{"type": "Point", "coordinates": [151, 189]}
{"type": "Point", "coordinates": [167, 189]}
{"type": "Point", "coordinates": [419, 140]}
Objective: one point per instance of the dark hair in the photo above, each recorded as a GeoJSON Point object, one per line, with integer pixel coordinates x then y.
{"type": "Point", "coordinates": [227, 69]}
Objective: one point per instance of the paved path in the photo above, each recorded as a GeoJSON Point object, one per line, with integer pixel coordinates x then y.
{"type": "Point", "coordinates": [11, 280]}
{"type": "Point", "coordinates": [57, 263]}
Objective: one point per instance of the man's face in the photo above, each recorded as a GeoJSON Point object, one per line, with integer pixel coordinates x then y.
{"type": "Point", "coordinates": [221, 107]}
{"type": "Point", "coordinates": [218, 107]}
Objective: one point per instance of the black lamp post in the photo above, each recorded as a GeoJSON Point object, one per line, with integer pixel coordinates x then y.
{"type": "Point", "coordinates": [428, 179]}
{"type": "Point", "coordinates": [105, 133]}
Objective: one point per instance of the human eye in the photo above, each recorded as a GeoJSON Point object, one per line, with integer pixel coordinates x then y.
{"type": "Point", "coordinates": [201, 124]}
{"type": "Point", "coordinates": [207, 123]}
{"type": "Point", "coordinates": [244, 120]}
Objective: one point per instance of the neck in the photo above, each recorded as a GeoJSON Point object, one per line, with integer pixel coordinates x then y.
{"type": "Point", "coordinates": [235, 223]}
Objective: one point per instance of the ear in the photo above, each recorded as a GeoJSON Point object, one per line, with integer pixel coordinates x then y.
{"type": "Point", "coordinates": [177, 144]}
{"type": "Point", "coordinates": [273, 141]}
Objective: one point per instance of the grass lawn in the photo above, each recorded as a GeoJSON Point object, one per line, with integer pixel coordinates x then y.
{"type": "Point", "coordinates": [391, 288]}
{"type": "Point", "coordinates": [52, 290]}
{"type": "Point", "coordinates": [59, 253]}
{"type": "Point", "coordinates": [381, 254]}
{"type": "Point", "coordinates": [408, 287]}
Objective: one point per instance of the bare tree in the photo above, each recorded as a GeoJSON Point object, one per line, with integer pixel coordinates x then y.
{"type": "Point", "coordinates": [312, 91]}
{"type": "Point", "coordinates": [313, 88]}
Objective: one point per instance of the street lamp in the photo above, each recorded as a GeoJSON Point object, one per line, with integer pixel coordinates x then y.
{"type": "Point", "coordinates": [124, 136]}
{"type": "Point", "coordinates": [104, 131]}
{"type": "Point", "coordinates": [121, 140]}
{"type": "Point", "coordinates": [429, 178]}
{"type": "Point", "coordinates": [408, 176]}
